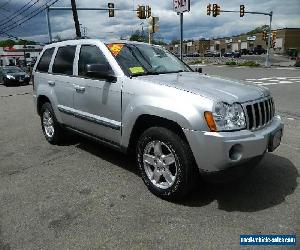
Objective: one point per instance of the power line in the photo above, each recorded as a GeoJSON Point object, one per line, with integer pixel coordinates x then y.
{"type": "Point", "coordinates": [17, 13]}
{"type": "Point", "coordinates": [40, 9]}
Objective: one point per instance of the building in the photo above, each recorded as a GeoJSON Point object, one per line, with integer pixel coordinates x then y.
{"type": "Point", "coordinates": [192, 47]}
{"type": "Point", "coordinates": [19, 54]}
{"type": "Point", "coordinates": [287, 38]}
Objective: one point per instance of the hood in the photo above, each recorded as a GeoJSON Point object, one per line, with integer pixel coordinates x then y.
{"type": "Point", "coordinates": [212, 87]}
{"type": "Point", "coordinates": [16, 74]}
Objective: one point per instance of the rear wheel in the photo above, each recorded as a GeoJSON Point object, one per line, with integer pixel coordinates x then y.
{"type": "Point", "coordinates": [166, 163]}
{"type": "Point", "coordinates": [51, 128]}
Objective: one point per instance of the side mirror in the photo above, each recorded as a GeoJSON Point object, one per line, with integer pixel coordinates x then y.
{"type": "Point", "coordinates": [101, 71]}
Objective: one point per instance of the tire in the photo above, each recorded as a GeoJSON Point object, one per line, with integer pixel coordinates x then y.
{"type": "Point", "coordinates": [4, 82]}
{"type": "Point", "coordinates": [181, 174]}
{"type": "Point", "coordinates": [52, 130]}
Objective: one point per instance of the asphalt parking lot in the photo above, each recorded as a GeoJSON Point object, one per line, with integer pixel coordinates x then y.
{"type": "Point", "coordinates": [84, 196]}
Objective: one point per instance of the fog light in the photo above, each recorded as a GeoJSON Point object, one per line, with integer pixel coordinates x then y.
{"type": "Point", "coordinates": [235, 153]}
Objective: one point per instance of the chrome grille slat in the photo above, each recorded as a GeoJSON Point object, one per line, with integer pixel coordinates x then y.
{"type": "Point", "coordinates": [254, 117]}
{"type": "Point", "coordinates": [259, 113]}
{"type": "Point", "coordinates": [265, 112]}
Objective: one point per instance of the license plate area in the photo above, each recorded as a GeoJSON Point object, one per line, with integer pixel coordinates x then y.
{"type": "Point", "coordinates": [275, 140]}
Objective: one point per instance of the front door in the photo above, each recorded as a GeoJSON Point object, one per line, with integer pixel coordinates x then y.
{"type": "Point", "coordinates": [97, 102]}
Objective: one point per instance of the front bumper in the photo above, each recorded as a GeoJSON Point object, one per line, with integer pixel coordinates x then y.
{"type": "Point", "coordinates": [217, 151]}
{"type": "Point", "coordinates": [13, 82]}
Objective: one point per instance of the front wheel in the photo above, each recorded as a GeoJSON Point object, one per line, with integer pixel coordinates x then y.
{"type": "Point", "coordinates": [51, 128]}
{"type": "Point", "coordinates": [166, 163]}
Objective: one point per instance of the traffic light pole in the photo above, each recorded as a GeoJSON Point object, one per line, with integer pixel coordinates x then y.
{"type": "Point", "coordinates": [181, 36]}
{"type": "Point", "coordinates": [270, 14]}
{"type": "Point", "coordinates": [267, 64]}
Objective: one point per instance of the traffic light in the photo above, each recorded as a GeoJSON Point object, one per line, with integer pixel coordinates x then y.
{"type": "Point", "coordinates": [209, 9]}
{"type": "Point", "coordinates": [111, 11]}
{"type": "Point", "coordinates": [242, 10]}
{"type": "Point", "coordinates": [153, 25]}
{"type": "Point", "coordinates": [148, 11]}
{"type": "Point", "coordinates": [265, 35]}
{"type": "Point", "coordinates": [216, 10]}
{"type": "Point", "coordinates": [141, 12]}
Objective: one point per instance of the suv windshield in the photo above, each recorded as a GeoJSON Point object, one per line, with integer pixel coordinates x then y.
{"type": "Point", "coordinates": [143, 59]}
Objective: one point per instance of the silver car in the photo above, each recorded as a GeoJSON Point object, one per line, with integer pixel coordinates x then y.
{"type": "Point", "coordinates": [140, 98]}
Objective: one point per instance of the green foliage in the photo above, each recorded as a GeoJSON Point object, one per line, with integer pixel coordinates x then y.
{"type": "Point", "coordinates": [7, 43]}
{"type": "Point", "coordinates": [249, 63]}
{"type": "Point", "coordinates": [10, 42]}
{"type": "Point", "coordinates": [258, 30]}
{"type": "Point", "coordinates": [138, 37]}
{"type": "Point", "coordinates": [231, 63]}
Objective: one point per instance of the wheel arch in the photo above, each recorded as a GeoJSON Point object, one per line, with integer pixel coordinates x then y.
{"type": "Point", "coordinates": [146, 121]}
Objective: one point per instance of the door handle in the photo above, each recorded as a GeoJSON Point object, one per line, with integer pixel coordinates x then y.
{"type": "Point", "coordinates": [51, 83]}
{"type": "Point", "coordinates": [79, 88]}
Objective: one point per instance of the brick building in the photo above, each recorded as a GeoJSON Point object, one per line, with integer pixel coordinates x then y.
{"type": "Point", "coordinates": [287, 38]}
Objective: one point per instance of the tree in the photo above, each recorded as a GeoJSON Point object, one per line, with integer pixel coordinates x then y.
{"type": "Point", "coordinates": [138, 37]}
{"type": "Point", "coordinates": [7, 43]}
{"type": "Point", "coordinates": [258, 30]}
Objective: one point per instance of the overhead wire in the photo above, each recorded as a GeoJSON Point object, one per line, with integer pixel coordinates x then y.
{"type": "Point", "coordinates": [28, 17]}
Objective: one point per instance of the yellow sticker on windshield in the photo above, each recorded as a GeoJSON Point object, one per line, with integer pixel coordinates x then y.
{"type": "Point", "coordinates": [136, 70]}
{"type": "Point", "coordinates": [115, 48]}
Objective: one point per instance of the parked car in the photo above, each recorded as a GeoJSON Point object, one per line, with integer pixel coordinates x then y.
{"type": "Point", "coordinates": [228, 54]}
{"type": "Point", "coordinates": [236, 54]}
{"type": "Point", "coordinates": [244, 52]}
{"type": "Point", "coordinates": [258, 50]}
{"type": "Point", "coordinates": [139, 98]}
{"type": "Point", "coordinates": [12, 75]}
{"type": "Point", "coordinates": [208, 53]}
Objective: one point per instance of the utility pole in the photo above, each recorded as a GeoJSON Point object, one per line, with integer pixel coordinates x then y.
{"type": "Point", "coordinates": [181, 36]}
{"type": "Point", "coordinates": [75, 17]}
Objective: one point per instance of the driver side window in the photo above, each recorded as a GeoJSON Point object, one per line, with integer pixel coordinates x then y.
{"type": "Point", "coordinates": [90, 54]}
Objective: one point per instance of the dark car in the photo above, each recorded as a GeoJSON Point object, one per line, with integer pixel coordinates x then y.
{"type": "Point", "coordinates": [12, 75]}
{"type": "Point", "coordinates": [236, 54]}
{"type": "Point", "coordinates": [228, 54]}
{"type": "Point", "coordinates": [259, 50]}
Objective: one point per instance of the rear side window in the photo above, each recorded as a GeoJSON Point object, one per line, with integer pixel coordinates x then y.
{"type": "Point", "coordinates": [89, 54]}
{"type": "Point", "coordinates": [63, 63]}
{"type": "Point", "coordinates": [44, 62]}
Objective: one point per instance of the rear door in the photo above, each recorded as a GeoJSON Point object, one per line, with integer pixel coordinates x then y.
{"type": "Point", "coordinates": [97, 101]}
{"type": "Point", "coordinates": [62, 82]}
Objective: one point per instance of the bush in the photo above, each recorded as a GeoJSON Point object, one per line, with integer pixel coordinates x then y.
{"type": "Point", "coordinates": [249, 63]}
{"type": "Point", "coordinates": [231, 63]}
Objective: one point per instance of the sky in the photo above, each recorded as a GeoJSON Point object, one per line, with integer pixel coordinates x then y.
{"type": "Point", "coordinates": [196, 23]}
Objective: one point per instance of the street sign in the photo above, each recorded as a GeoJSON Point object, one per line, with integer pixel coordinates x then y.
{"type": "Point", "coordinates": [181, 6]}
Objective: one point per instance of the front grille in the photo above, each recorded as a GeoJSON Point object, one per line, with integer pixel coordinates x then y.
{"type": "Point", "coordinates": [259, 114]}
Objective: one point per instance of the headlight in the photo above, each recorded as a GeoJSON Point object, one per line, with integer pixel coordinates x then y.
{"type": "Point", "coordinates": [226, 117]}
{"type": "Point", "coordinates": [229, 117]}
{"type": "Point", "coordinates": [10, 77]}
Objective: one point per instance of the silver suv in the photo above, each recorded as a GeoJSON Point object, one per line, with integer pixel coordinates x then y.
{"type": "Point", "coordinates": [140, 98]}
